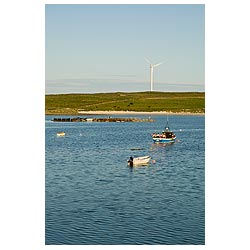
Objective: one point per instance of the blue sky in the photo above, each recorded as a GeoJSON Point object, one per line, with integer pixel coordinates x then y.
{"type": "Point", "coordinates": [101, 48]}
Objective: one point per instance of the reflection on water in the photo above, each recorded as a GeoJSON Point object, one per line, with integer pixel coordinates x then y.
{"type": "Point", "coordinates": [156, 145]}
{"type": "Point", "coordinates": [94, 197]}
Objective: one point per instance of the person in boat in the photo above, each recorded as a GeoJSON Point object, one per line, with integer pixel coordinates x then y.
{"type": "Point", "coordinates": [130, 161]}
{"type": "Point", "coordinates": [166, 128]}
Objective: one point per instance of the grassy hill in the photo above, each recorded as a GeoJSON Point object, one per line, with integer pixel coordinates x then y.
{"type": "Point", "coordinates": [136, 101]}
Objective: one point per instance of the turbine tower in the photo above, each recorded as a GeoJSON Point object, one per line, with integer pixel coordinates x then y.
{"type": "Point", "coordinates": [152, 66]}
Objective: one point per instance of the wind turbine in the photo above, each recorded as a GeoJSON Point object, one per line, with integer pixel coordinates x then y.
{"type": "Point", "coordinates": [152, 66]}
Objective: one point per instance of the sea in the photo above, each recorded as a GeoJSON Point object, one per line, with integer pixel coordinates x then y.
{"type": "Point", "coordinates": [92, 197]}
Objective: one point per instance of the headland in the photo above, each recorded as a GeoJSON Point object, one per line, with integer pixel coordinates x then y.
{"type": "Point", "coordinates": [126, 103]}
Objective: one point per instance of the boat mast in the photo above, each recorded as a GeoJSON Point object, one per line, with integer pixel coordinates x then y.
{"type": "Point", "coordinates": [167, 125]}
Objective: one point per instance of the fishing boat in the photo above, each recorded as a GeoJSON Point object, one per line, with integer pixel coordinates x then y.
{"type": "Point", "coordinates": [166, 136]}
{"type": "Point", "coordinates": [61, 134]}
{"type": "Point", "coordinates": [143, 160]}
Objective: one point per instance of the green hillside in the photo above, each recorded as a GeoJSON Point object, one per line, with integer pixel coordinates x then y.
{"type": "Point", "coordinates": [137, 101]}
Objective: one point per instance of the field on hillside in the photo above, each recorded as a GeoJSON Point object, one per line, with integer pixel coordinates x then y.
{"type": "Point", "coordinates": [193, 102]}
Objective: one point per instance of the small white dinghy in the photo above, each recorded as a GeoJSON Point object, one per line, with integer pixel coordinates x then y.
{"type": "Point", "coordinates": [143, 160]}
{"type": "Point", "coordinates": [61, 134]}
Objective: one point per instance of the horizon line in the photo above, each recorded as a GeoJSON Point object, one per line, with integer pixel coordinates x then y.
{"type": "Point", "coordinates": [117, 92]}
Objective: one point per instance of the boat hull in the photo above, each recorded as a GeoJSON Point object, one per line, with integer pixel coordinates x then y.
{"type": "Point", "coordinates": [140, 161]}
{"type": "Point", "coordinates": [61, 134]}
{"type": "Point", "coordinates": [164, 140]}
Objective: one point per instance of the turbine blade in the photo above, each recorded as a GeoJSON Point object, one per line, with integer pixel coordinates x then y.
{"type": "Point", "coordinates": [155, 65]}
{"type": "Point", "coordinates": [147, 60]}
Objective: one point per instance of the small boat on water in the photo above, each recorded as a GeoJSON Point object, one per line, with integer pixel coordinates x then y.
{"type": "Point", "coordinates": [166, 136]}
{"type": "Point", "coordinates": [143, 160]}
{"type": "Point", "coordinates": [61, 134]}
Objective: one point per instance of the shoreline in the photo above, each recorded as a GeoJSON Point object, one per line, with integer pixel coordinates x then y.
{"type": "Point", "coordinates": [137, 113]}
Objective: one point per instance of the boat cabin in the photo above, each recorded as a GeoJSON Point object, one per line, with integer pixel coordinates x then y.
{"type": "Point", "coordinates": [164, 134]}
{"type": "Point", "coordinates": [168, 134]}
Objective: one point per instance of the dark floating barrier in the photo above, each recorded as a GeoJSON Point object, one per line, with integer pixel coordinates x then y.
{"type": "Point", "coordinates": [108, 119]}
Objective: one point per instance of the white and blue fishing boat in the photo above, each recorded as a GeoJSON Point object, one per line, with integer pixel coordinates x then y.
{"type": "Point", "coordinates": [166, 136]}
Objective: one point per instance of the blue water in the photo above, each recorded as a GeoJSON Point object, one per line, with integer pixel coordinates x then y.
{"type": "Point", "coordinates": [93, 197]}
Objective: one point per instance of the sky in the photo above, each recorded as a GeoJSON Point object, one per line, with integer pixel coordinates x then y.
{"type": "Point", "coordinates": [102, 47]}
